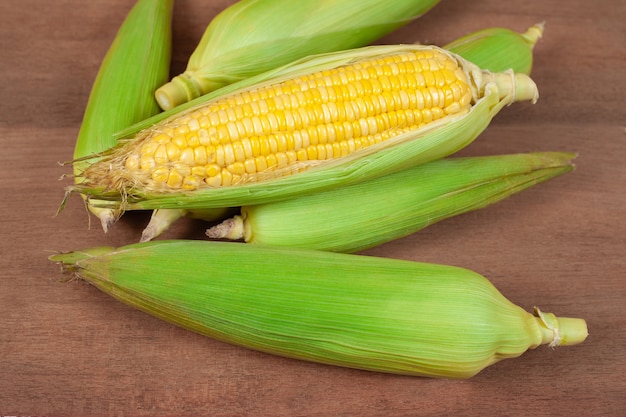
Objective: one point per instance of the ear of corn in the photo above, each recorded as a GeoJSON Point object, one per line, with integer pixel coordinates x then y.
{"type": "Point", "coordinates": [134, 66]}
{"type": "Point", "coordinates": [253, 36]}
{"type": "Point", "coordinates": [499, 49]}
{"type": "Point", "coordinates": [362, 312]}
{"type": "Point", "coordinates": [494, 49]}
{"type": "Point", "coordinates": [357, 217]}
{"type": "Point", "coordinates": [401, 140]}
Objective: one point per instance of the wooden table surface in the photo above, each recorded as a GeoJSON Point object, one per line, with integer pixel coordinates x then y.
{"type": "Point", "coordinates": [67, 349]}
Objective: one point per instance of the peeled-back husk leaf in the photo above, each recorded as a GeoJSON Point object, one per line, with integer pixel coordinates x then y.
{"type": "Point", "coordinates": [136, 63]}
{"type": "Point", "coordinates": [362, 312]}
{"type": "Point", "coordinates": [434, 141]}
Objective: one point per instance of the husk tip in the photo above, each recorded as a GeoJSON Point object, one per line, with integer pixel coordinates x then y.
{"type": "Point", "coordinates": [534, 33]}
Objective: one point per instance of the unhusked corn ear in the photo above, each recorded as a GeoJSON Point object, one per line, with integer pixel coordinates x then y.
{"type": "Point", "coordinates": [253, 36]}
{"type": "Point", "coordinates": [317, 116]}
{"type": "Point", "coordinates": [499, 49]}
{"type": "Point", "coordinates": [136, 63]}
{"type": "Point", "coordinates": [361, 216]}
{"type": "Point", "coordinates": [355, 311]}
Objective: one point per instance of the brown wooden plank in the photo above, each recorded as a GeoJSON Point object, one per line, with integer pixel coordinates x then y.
{"type": "Point", "coordinates": [67, 349]}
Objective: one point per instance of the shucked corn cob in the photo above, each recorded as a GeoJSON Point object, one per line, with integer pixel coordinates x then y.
{"type": "Point", "coordinates": [308, 126]}
{"type": "Point", "coordinates": [135, 65]}
{"type": "Point", "coordinates": [494, 49]}
{"type": "Point", "coordinates": [355, 311]}
{"type": "Point", "coordinates": [253, 36]}
{"type": "Point", "coordinates": [357, 217]}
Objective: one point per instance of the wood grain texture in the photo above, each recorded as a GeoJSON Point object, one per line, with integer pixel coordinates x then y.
{"type": "Point", "coordinates": [67, 349]}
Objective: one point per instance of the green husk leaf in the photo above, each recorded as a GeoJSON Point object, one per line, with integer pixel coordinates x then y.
{"type": "Point", "coordinates": [136, 63]}
{"type": "Point", "coordinates": [254, 36]}
{"type": "Point", "coordinates": [355, 311]}
{"type": "Point", "coordinates": [364, 215]}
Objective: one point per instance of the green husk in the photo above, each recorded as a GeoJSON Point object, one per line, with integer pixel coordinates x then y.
{"type": "Point", "coordinates": [499, 49]}
{"type": "Point", "coordinates": [434, 141]}
{"type": "Point", "coordinates": [136, 63]}
{"type": "Point", "coordinates": [361, 216]}
{"type": "Point", "coordinates": [254, 36]}
{"type": "Point", "coordinates": [355, 311]}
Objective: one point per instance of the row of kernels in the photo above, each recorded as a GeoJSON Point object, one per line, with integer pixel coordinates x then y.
{"type": "Point", "coordinates": [288, 120]}
{"type": "Point", "coordinates": [248, 147]}
{"type": "Point", "coordinates": [226, 110]}
{"type": "Point", "coordinates": [180, 176]}
{"type": "Point", "coordinates": [351, 111]}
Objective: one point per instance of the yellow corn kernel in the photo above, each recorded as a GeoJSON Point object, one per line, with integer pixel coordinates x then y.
{"type": "Point", "coordinates": [160, 175]}
{"type": "Point", "coordinates": [173, 151]}
{"type": "Point", "coordinates": [190, 182]}
{"type": "Point", "coordinates": [199, 171]}
{"type": "Point", "coordinates": [237, 168]}
{"type": "Point", "coordinates": [250, 166]}
{"type": "Point", "coordinates": [146, 163]}
{"type": "Point", "coordinates": [175, 179]}
{"type": "Point", "coordinates": [132, 163]}
{"type": "Point", "coordinates": [160, 155]}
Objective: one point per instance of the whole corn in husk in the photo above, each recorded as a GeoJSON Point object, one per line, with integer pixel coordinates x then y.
{"type": "Point", "coordinates": [355, 311]}
{"type": "Point", "coordinates": [493, 49]}
{"type": "Point", "coordinates": [121, 178]}
{"type": "Point", "coordinates": [499, 49]}
{"type": "Point", "coordinates": [254, 36]}
{"type": "Point", "coordinates": [358, 217]}
{"type": "Point", "coordinates": [136, 63]}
